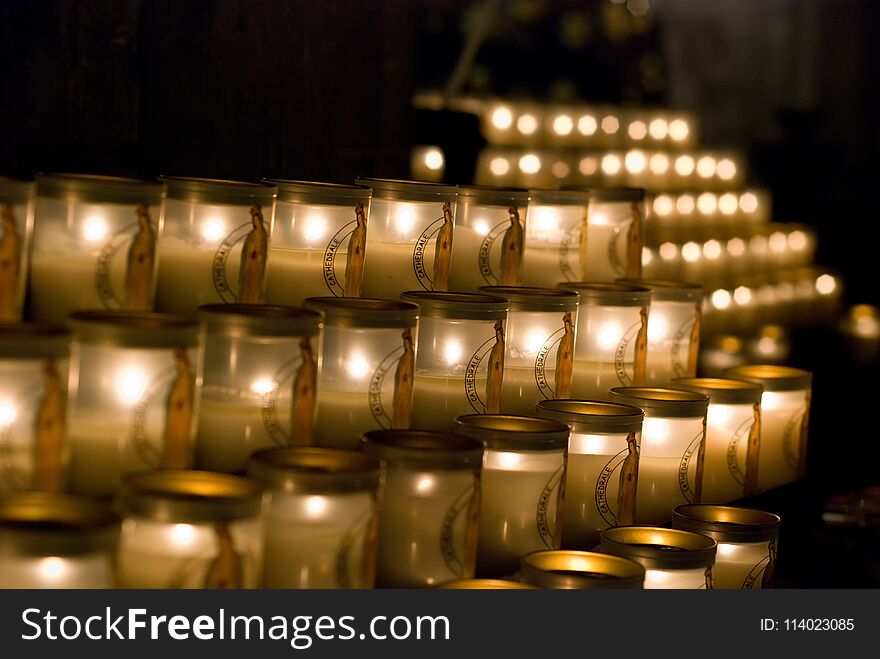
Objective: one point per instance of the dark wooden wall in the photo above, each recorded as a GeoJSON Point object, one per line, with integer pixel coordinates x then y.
{"type": "Point", "coordinates": [223, 88]}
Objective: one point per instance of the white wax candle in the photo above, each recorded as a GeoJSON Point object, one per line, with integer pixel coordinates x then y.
{"type": "Point", "coordinates": [61, 283]}
{"type": "Point", "coordinates": [438, 400]}
{"type": "Point", "coordinates": [670, 325]}
{"type": "Point", "coordinates": [606, 253]}
{"type": "Point", "coordinates": [186, 276]}
{"type": "Point", "coordinates": [692, 579]}
{"type": "Point", "coordinates": [741, 564]}
{"type": "Point", "coordinates": [548, 265]}
{"type": "Point", "coordinates": [76, 572]}
{"type": "Point", "coordinates": [520, 491]}
{"type": "Point", "coordinates": [343, 416]}
{"type": "Point", "coordinates": [229, 432]}
{"type": "Point", "coordinates": [520, 391]}
{"type": "Point", "coordinates": [592, 380]}
{"type": "Point", "coordinates": [389, 269]}
{"type": "Point", "coordinates": [293, 275]}
{"type": "Point", "coordinates": [727, 440]}
{"type": "Point", "coordinates": [782, 414]}
{"type": "Point", "coordinates": [167, 555]}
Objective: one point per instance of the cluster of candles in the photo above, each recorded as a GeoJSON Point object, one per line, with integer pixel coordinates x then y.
{"type": "Point", "coordinates": [271, 393]}
{"type": "Point", "coordinates": [695, 209]}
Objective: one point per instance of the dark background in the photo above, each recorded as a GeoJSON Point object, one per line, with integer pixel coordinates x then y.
{"type": "Point", "coordinates": [321, 89]}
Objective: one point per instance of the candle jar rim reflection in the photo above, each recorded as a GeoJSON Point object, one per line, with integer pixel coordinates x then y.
{"type": "Point", "coordinates": [219, 191]}
{"type": "Point", "coordinates": [45, 523]}
{"type": "Point", "coordinates": [260, 319]}
{"type": "Point", "coordinates": [559, 568]}
{"type": "Point", "coordinates": [773, 377]}
{"type": "Point", "coordinates": [535, 298]}
{"type": "Point", "coordinates": [552, 196]}
{"type": "Point", "coordinates": [319, 192]}
{"type": "Point", "coordinates": [662, 400]}
{"type": "Point", "coordinates": [98, 188]}
{"type": "Point", "coordinates": [133, 329]}
{"type": "Point", "coordinates": [722, 391]}
{"type": "Point", "coordinates": [611, 195]}
{"type": "Point", "coordinates": [660, 548]}
{"type": "Point", "coordinates": [16, 191]}
{"type": "Point", "coordinates": [423, 448]}
{"type": "Point", "coordinates": [314, 470]}
{"type": "Point", "coordinates": [510, 432]}
{"type": "Point", "coordinates": [460, 306]}
{"type": "Point", "coordinates": [485, 584]}
{"type": "Point", "coordinates": [364, 311]}
{"type": "Point", "coordinates": [406, 190]}
{"type": "Point", "coordinates": [726, 523]}
{"type": "Point", "coordinates": [590, 416]}
{"type": "Point", "coordinates": [485, 195]}
{"type": "Point", "coordinates": [182, 495]}
{"type": "Point", "coordinates": [617, 295]}
{"type": "Point", "coordinates": [668, 290]}
{"type": "Point", "coordinates": [33, 341]}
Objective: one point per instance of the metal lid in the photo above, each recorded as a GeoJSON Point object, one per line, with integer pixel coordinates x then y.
{"type": "Point", "coordinates": [508, 432]}
{"type": "Point", "coordinates": [424, 449]}
{"type": "Point", "coordinates": [669, 290]}
{"type": "Point", "coordinates": [16, 191]}
{"type": "Point", "coordinates": [33, 341]}
{"type": "Point", "coordinates": [580, 569]}
{"type": "Point", "coordinates": [316, 192]}
{"type": "Point", "coordinates": [190, 496]}
{"type": "Point", "coordinates": [99, 189]}
{"type": "Point", "coordinates": [611, 195]}
{"type": "Point", "coordinates": [485, 584]}
{"type": "Point", "coordinates": [260, 320]}
{"type": "Point", "coordinates": [533, 298]}
{"type": "Point", "coordinates": [726, 523]}
{"type": "Point", "coordinates": [660, 548]}
{"type": "Point", "coordinates": [388, 188]}
{"type": "Point", "coordinates": [662, 401]}
{"type": "Point", "coordinates": [52, 524]}
{"type": "Point", "coordinates": [492, 196]}
{"type": "Point", "coordinates": [364, 311]}
{"type": "Point", "coordinates": [773, 377]}
{"type": "Point", "coordinates": [133, 329]}
{"type": "Point", "coordinates": [617, 295]}
{"type": "Point", "coordinates": [587, 416]}
{"type": "Point", "coordinates": [542, 196]}
{"type": "Point", "coordinates": [458, 306]}
{"type": "Point", "coordinates": [722, 391]}
{"type": "Point", "coordinates": [218, 191]}
{"type": "Point", "coordinates": [308, 469]}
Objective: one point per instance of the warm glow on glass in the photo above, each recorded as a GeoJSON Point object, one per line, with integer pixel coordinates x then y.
{"type": "Point", "coordinates": [684, 165]}
{"type": "Point", "coordinates": [706, 167]}
{"type": "Point", "coordinates": [51, 568]}
{"type": "Point", "coordinates": [213, 230]}
{"type": "Point", "coordinates": [131, 385]}
{"type": "Point", "coordinates": [545, 220]}
{"type": "Point", "coordinates": [425, 484]}
{"type": "Point", "coordinates": [481, 227]}
{"type": "Point", "coordinates": [742, 295]}
{"type": "Point", "coordinates": [726, 169]}
{"type": "Point", "coordinates": [610, 124]}
{"type": "Point", "coordinates": [535, 340]}
{"type": "Point", "coordinates": [707, 203]}
{"type": "Point", "coordinates": [609, 335]}
{"type": "Point", "coordinates": [502, 118]}
{"type": "Point", "coordinates": [452, 352]}
{"type": "Point", "coordinates": [825, 284]}
{"type": "Point", "coordinates": [656, 328]}
{"type": "Point", "coordinates": [668, 251]}
{"type": "Point", "coordinates": [658, 128]}
{"type": "Point", "coordinates": [635, 162]}
{"type": "Point", "coordinates": [663, 205]}
{"type": "Point", "coordinates": [587, 124]}
{"type": "Point", "coordinates": [530, 164]}
{"type": "Point", "coordinates": [508, 460]}
{"type": "Point", "coordinates": [434, 159]}
{"type": "Point", "coordinates": [647, 256]}
{"type": "Point", "coordinates": [183, 534]}
{"type": "Point", "coordinates": [748, 202]}
{"type": "Point", "coordinates": [778, 242]}
{"type": "Point", "coordinates": [718, 415]}
{"type": "Point", "coordinates": [654, 430]}
{"type": "Point", "coordinates": [563, 125]}
{"type": "Point", "coordinates": [637, 130]}
{"type": "Point", "coordinates": [758, 244]}
{"type": "Point", "coordinates": [527, 124]}
{"type": "Point", "coordinates": [685, 204]}
{"type": "Point", "coordinates": [659, 163]}
{"type": "Point", "coordinates": [728, 203]}
{"type": "Point", "coordinates": [316, 506]}
{"type": "Point", "coordinates": [7, 413]}
{"type": "Point", "coordinates": [95, 229]}
{"type": "Point", "coordinates": [770, 400]}
{"type": "Point", "coordinates": [262, 387]}
{"type": "Point", "coordinates": [690, 252]}
{"type": "Point", "coordinates": [721, 299]}
{"type": "Point", "coordinates": [797, 240]}
{"type": "Point", "coordinates": [588, 166]}
{"type": "Point", "coordinates": [611, 164]}
{"type": "Point", "coordinates": [405, 219]}
{"type": "Point", "coordinates": [358, 367]}
{"type": "Point", "coordinates": [736, 247]}
{"type": "Point", "coordinates": [499, 166]}
{"type": "Point", "coordinates": [712, 249]}
{"type": "Point", "coordinates": [560, 169]}
{"type": "Point", "coordinates": [679, 130]}
{"type": "Point", "coordinates": [315, 228]}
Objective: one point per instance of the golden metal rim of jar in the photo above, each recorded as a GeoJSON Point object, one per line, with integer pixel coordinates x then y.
{"type": "Point", "coordinates": [427, 448]}
{"type": "Point", "coordinates": [514, 432]}
{"type": "Point", "coordinates": [314, 469]}
{"type": "Point", "coordinates": [261, 319]}
{"type": "Point", "coordinates": [660, 548]}
{"type": "Point", "coordinates": [460, 306]}
{"type": "Point", "coordinates": [606, 293]}
{"type": "Point", "coordinates": [34, 341]}
{"type": "Point", "coordinates": [485, 584]}
{"type": "Point", "coordinates": [16, 191]}
{"type": "Point", "coordinates": [560, 569]}
{"type": "Point", "coordinates": [668, 290]}
{"type": "Point", "coordinates": [133, 328]}
{"type": "Point", "coordinates": [220, 191]}
{"type": "Point", "coordinates": [727, 523]}
{"type": "Point", "coordinates": [98, 188]}
{"type": "Point", "coordinates": [484, 195]}
{"type": "Point", "coordinates": [364, 312]}
{"type": "Point", "coordinates": [592, 415]}
{"type": "Point", "coordinates": [55, 512]}
{"type": "Point", "coordinates": [722, 391]}
{"type": "Point", "coordinates": [773, 377]}
{"type": "Point", "coordinates": [383, 187]}
{"type": "Point", "coordinates": [559, 197]}
{"type": "Point", "coordinates": [664, 401]}
{"type": "Point", "coordinates": [319, 188]}
{"type": "Point", "coordinates": [535, 298]}
{"type": "Point", "coordinates": [190, 496]}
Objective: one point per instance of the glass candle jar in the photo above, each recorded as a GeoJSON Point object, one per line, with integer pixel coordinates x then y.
{"type": "Point", "coordinates": [673, 329]}
{"type": "Point", "coordinates": [460, 364]}
{"type": "Point", "coordinates": [733, 432]}
{"type": "Point", "coordinates": [522, 493]}
{"type": "Point", "coordinates": [51, 540]}
{"type": "Point", "coordinates": [565, 569]}
{"type": "Point", "coordinates": [33, 404]}
{"type": "Point", "coordinates": [612, 338]}
{"type": "Point", "coordinates": [785, 413]}
{"type": "Point", "coordinates": [428, 521]}
{"type": "Point", "coordinates": [615, 229]}
{"type": "Point", "coordinates": [215, 243]}
{"type": "Point", "coordinates": [672, 559]}
{"type": "Point", "coordinates": [318, 241]}
{"type": "Point", "coordinates": [134, 390]}
{"type": "Point", "coordinates": [672, 451]}
{"type": "Point", "coordinates": [190, 529]}
{"type": "Point", "coordinates": [259, 381]}
{"type": "Point", "coordinates": [489, 237]}
{"type": "Point", "coordinates": [746, 539]}
{"type": "Point", "coordinates": [601, 477]}
{"type": "Point", "coordinates": [410, 239]}
{"type": "Point", "coordinates": [540, 345]}
{"type": "Point", "coordinates": [485, 584]}
{"type": "Point", "coordinates": [94, 244]}
{"type": "Point", "coordinates": [16, 227]}
{"type": "Point", "coordinates": [554, 249]}
{"type": "Point", "coordinates": [321, 520]}
{"type": "Point", "coordinates": [367, 369]}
